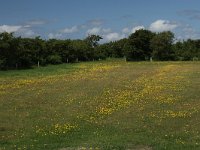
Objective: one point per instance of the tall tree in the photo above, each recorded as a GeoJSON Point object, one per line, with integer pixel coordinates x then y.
{"type": "Point", "coordinates": [140, 42]}
{"type": "Point", "coordinates": [93, 40]}
{"type": "Point", "coordinates": [161, 44]}
{"type": "Point", "coordinates": [39, 47]}
{"type": "Point", "coordinates": [7, 54]}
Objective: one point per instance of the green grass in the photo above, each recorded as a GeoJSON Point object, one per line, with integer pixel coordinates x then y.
{"type": "Point", "coordinates": [101, 105]}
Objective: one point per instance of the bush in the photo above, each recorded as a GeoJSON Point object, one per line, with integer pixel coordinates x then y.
{"type": "Point", "coordinates": [54, 59]}
{"type": "Point", "coordinates": [2, 63]}
{"type": "Point", "coordinates": [195, 58]}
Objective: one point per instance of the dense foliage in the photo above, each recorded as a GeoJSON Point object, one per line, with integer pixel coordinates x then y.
{"type": "Point", "coordinates": [17, 52]}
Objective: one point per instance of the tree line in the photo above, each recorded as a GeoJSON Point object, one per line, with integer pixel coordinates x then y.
{"type": "Point", "coordinates": [18, 52]}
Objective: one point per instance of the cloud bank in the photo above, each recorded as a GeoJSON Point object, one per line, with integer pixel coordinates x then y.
{"type": "Point", "coordinates": [162, 25]}
{"type": "Point", "coordinates": [70, 30]}
{"type": "Point", "coordinates": [9, 29]}
{"type": "Point", "coordinates": [97, 26]}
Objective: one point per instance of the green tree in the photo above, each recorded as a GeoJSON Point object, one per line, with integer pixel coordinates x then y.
{"type": "Point", "coordinates": [93, 40]}
{"type": "Point", "coordinates": [23, 55]}
{"type": "Point", "coordinates": [39, 48]}
{"type": "Point", "coordinates": [59, 47]}
{"type": "Point", "coordinates": [7, 54]}
{"type": "Point", "coordinates": [80, 51]}
{"type": "Point", "coordinates": [161, 45]}
{"type": "Point", "coordinates": [140, 44]}
{"type": "Point", "coordinates": [129, 52]}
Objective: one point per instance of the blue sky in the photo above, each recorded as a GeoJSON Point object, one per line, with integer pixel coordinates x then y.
{"type": "Point", "coordinates": [112, 19]}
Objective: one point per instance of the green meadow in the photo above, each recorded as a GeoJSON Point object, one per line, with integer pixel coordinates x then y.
{"type": "Point", "coordinates": [101, 105]}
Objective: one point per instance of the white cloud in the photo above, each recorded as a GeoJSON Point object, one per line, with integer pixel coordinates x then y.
{"type": "Point", "coordinates": [162, 25]}
{"type": "Point", "coordinates": [114, 36]}
{"type": "Point", "coordinates": [137, 28]}
{"type": "Point", "coordinates": [19, 30]}
{"type": "Point", "coordinates": [26, 33]}
{"type": "Point", "coordinates": [54, 36]}
{"type": "Point", "coordinates": [29, 33]}
{"type": "Point", "coordinates": [129, 31]}
{"type": "Point", "coordinates": [188, 32]}
{"type": "Point", "coordinates": [98, 30]}
{"type": "Point", "coordinates": [50, 35]}
{"type": "Point", "coordinates": [95, 22]}
{"type": "Point", "coordinates": [95, 30]}
{"type": "Point", "coordinates": [9, 29]}
{"type": "Point", "coordinates": [27, 26]}
{"type": "Point", "coordinates": [36, 22]}
{"type": "Point", "coordinates": [106, 33]}
{"type": "Point", "coordinates": [70, 30]}
{"type": "Point", "coordinates": [126, 30]}
{"type": "Point", "coordinates": [108, 30]}
{"type": "Point", "coordinates": [61, 33]}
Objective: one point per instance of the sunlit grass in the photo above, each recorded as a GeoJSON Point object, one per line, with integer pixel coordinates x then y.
{"type": "Point", "coordinates": [101, 105]}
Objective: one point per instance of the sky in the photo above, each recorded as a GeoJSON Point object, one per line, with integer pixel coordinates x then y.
{"type": "Point", "coordinates": [112, 19]}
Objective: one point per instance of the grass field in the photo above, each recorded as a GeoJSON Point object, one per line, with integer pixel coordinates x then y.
{"type": "Point", "coordinates": [101, 105]}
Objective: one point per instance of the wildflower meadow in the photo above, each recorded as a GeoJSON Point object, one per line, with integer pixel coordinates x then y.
{"type": "Point", "coordinates": [109, 104]}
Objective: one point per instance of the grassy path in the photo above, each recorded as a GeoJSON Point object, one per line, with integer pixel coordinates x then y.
{"type": "Point", "coordinates": [101, 105]}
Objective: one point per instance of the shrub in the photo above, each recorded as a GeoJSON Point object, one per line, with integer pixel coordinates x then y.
{"type": "Point", "coordinates": [54, 59]}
